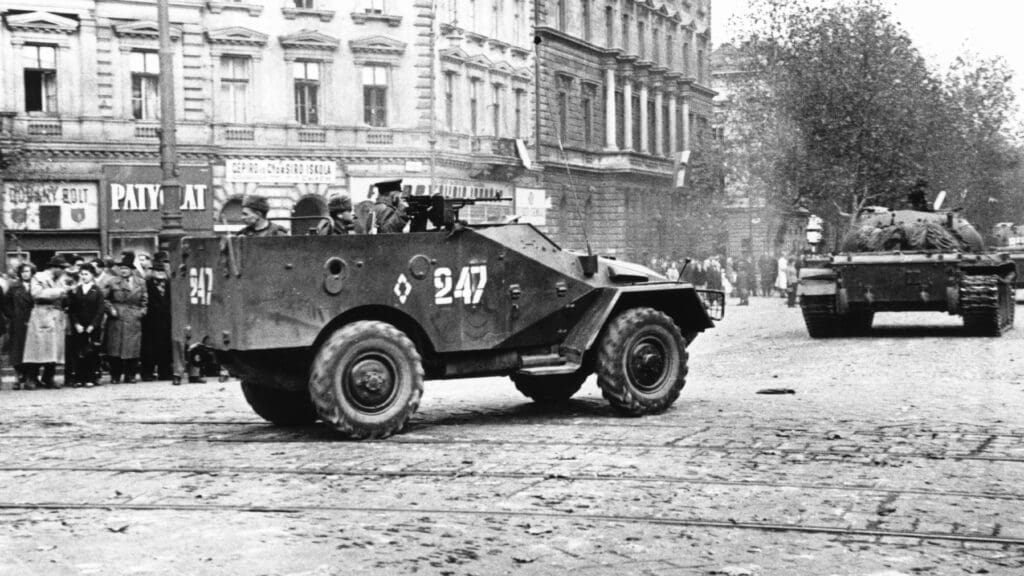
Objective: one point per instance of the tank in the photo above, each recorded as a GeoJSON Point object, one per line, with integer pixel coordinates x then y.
{"type": "Point", "coordinates": [907, 260]}
{"type": "Point", "coordinates": [1009, 238]}
{"type": "Point", "coordinates": [345, 329]}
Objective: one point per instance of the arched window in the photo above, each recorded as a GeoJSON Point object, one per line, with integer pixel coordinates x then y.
{"type": "Point", "coordinates": [231, 212]}
{"type": "Point", "coordinates": [307, 213]}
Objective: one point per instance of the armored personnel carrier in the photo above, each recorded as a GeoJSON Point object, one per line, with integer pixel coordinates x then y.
{"type": "Point", "coordinates": [907, 260]}
{"type": "Point", "coordinates": [345, 329]}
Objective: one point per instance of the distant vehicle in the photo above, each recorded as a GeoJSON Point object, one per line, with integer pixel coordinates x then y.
{"type": "Point", "coordinates": [345, 329]}
{"type": "Point", "coordinates": [1009, 238]}
{"type": "Point", "coordinates": [907, 260]}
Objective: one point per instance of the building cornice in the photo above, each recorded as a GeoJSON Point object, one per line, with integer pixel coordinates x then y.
{"type": "Point", "coordinates": [41, 22]}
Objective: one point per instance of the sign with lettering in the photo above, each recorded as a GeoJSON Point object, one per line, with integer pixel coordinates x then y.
{"type": "Point", "coordinates": [281, 171]}
{"type": "Point", "coordinates": [135, 200]}
{"type": "Point", "coordinates": [51, 205]}
{"type": "Point", "coordinates": [532, 206]}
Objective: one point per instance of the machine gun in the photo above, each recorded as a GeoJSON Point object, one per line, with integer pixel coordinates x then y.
{"type": "Point", "coordinates": [436, 209]}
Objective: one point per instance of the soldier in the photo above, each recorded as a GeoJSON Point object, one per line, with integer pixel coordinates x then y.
{"type": "Point", "coordinates": [254, 214]}
{"type": "Point", "coordinates": [389, 209]}
{"type": "Point", "coordinates": [341, 219]}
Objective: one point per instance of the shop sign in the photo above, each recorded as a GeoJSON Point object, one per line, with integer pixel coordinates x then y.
{"type": "Point", "coordinates": [532, 206]}
{"type": "Point", "coordinates": [135, 200]}
{"type": "Point", "coordinates": [480, 190]}
{"type": "Point", "coordinates": [51, 206]}
{"type": "Point", "coordinates": [281, 171]}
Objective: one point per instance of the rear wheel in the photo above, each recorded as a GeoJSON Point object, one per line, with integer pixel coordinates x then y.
{"type": "Point", "coordinates": [550, 389]}
{"type": "Point", "coordinates": [282, 407]}
{"type": "Point", "coordinates": [367, 380]}
{"type": "Point", "coordinates": [641, 366]}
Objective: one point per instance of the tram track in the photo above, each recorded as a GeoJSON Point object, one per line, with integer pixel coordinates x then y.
{"type": "Point", "coordinates": [679, 522]}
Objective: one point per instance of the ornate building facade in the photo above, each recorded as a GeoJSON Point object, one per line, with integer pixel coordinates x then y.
{"type": "Point", "coordinates": [300, 99]}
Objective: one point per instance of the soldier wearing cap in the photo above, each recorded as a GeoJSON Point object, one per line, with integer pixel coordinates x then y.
{"type": "Point", "coordinates": [47, 324]}
{"type": "Point", "coordinates": [341, 219]}
{"type": "Point", "coordinates": [254, 214]}
{"type": "Point", "coordinates": [389, 209]}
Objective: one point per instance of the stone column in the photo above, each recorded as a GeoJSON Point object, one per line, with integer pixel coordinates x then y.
{"type": "Point", "coordinates": [627, 114]}
{"type": "Point", "coordinates": [686, 122]}
{"type": "Point", "coordinates": [659, 124]}
{"type": "Point", "coordinates": [609, 110]}
{"type": "Point", "coordinates": [673, 133]}
{"type": "Point", "coordinates": [644, 128]}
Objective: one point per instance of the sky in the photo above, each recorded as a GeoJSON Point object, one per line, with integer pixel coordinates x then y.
{"type": "Point", "coordinates": [941, 29]}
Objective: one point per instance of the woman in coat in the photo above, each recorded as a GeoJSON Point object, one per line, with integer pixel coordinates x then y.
{"type": "Point", "coordinates": [47, 324]}
{"type": "Point", "coordinates": [18, 307]}
{"type": "Point", "coordinates": [126, 297]}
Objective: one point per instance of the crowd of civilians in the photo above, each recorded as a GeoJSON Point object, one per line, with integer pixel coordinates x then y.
{"type": "Point", "coordinates": [740, 277]}
{"type": "Point", "coordinates": [103, 315]}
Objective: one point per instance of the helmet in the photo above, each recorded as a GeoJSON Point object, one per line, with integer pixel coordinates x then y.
{"type": "Point", "coordinates": [339, 203]}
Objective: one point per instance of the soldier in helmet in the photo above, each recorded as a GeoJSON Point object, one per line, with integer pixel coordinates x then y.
{"type": "Point", "coordinates": [340, 220]}
{"type": "Point", "coordinates": [254, 214]}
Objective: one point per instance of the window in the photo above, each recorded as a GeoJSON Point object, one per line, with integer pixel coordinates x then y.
{"type": "Point", "coordinates": [620, 119]}
{"type": "Point", "coordinates": [561, 15]}
{"type": "Point", "coordinates": [375, 95]}
{"type": "Point", "coordinates": [609, 26]}
{"type": "Point", "coordinates": [373, 6]}
{"type": "Point", "coordinates": [564, 85]}
{"type": "Point", "coordinates": [145, 68]}
{"type": "Point", "coordinates": [625, 32]}
{"type": "Point", "coordinates": [636, 121]}
{"type": "Point", "coordinates": [520, 98]}
{"type": "Point", "coordinates": [641, 38]}
{"type": "Point", "coordinates": [652, 123]}
{"type": "Point", "coordinates": [587, 109]}
{"type": "Point", "coordinates": [686, 58]}
{"type": "Point", "coordinates": [307, 4]}
{"type": "Point", "coordinates": [656, 45]}
{"type": "Point", "coordinates": [670, 48]}
{"type": "Point", "coordinates": [234, 88]}
{"type": "Point", "coordinates": [474, 105]}
{"type": "Point", "coordinates": [449, 101]}
{"type": "Point", "coordinates": [496, 9]}
{"type": "Point", "coordinates": [472, 14]}
{"type": "Point", "coordinates": [700, 66]}
{"type": "Point", "coordinates": [307, 92]}
{"type": "Point", "coordinates": [517, 21]}
{"type": "Point", "coordinates": [585, 5]}
{"type": "Point", "coordinates": [496, 109]}
{"type": "Point", "coordinates": [666, 135]}
{"type": "Point", "coordinates": [40, 78]}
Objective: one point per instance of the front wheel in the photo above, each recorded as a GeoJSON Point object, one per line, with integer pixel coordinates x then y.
{"type": "Point", "coordinates": [367, 380]}
{"type": "Point", "coordinates": [282, 407]}
{"type": "Point", "coordinates": [641, 365]}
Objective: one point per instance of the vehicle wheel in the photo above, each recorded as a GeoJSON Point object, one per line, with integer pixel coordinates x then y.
{"type": "Point", "coordinates": [550, 389]}
{"type": "Point", "coordinates": [282, 407]}
{"type": "Point", "coordinates": [367, 380]}
{"type": "Point", "coordinates": [641, 366]}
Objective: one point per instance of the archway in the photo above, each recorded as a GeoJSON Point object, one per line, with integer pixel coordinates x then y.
{"type": "Point", "coordinates": [306, 213]}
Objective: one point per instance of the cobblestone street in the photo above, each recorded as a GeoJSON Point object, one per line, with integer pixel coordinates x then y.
{"type": "Point", "coordinates": [899, 453]}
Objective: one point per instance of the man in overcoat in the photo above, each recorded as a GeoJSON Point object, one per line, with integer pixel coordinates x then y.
{"type": "Point", "coordinates": [18, 308]}
{"type": "Point", "coordinates": [126, 299]}
{"type": "Point", "coordinates": [86, 308]}
{"type": "Point", "coordinates": [156, 326]}
{"type": "Point", "coordinates": [44, 338]}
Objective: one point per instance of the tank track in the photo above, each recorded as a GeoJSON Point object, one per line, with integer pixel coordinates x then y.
{"type": "Point", "coordinates": [986, 303]}
{"type": "Point", "coordinates": [820, 316]}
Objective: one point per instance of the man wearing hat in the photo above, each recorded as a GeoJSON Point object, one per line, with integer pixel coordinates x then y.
{"type": "Point", "coordinates": [341, 220]}
{"type": "Point", "coordinates": [254, 214]}
{"type": "Point", "coordinates": [85, 313]}
{"type": "Point", "coordinates": [126, 298]}
{"type": "Point", "coordinates": [157, 347]}
{"type": "Point", "coordinates": [389, 209]}
{"type": "Point", "coordinates": [44, 339]}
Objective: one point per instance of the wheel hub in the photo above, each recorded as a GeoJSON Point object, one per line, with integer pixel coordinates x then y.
{"type": "Point", "coordinates": [646, 364]}
{"type": "Point", "coordinates": [371, 384]}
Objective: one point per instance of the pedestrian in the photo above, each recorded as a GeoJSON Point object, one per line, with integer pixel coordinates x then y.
{"type": "Point", "coordinates": [766, 264]}
{"type": "Point", "coordinates": [340, 219]}
{"type": "Point", "coordinates": [86, 310]}
{"type": "Point", "coordinates": [792, 278]}
{"type": "Point", "coordinates": [673, 272]}
{"type": "Point", "coordinates": [126, 304]}
{"type": "Point", "coordinates": [47, 324]}
{"type": "Point", "coordinates": [782, 265]}
{"type": "Point", "coordinates": [254, 214]}
{"type": "Point", "coordinates": [104, 271]}
{"type": "Point", "coordinates": [743, 281]}
{"type": "Point", "coordinates": [156, 325]}
{"type": "Point", "coordinates": [18, 305]}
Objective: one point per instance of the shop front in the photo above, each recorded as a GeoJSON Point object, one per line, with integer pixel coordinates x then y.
{"type": "Point", "coordinates": [135, 203]}
{"type": "Point", "coordinates": [45, 218]}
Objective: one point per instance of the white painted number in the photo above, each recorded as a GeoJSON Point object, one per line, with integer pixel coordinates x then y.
{"type": "Point", "coordinates": [200, 281]}
{"type": "Point", "coordinates": [469, 288]}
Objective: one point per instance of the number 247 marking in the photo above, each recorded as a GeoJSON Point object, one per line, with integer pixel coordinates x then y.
{"type": "Point", "coordinates": [469, 287]}
{"type": "Point", "coordinates": [200, 282]}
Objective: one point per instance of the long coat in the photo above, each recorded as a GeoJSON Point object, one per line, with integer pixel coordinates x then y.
{"type": "Point", "coordinates": [47, 325]}
{"type": "Point", "coordinates": [17, 307]}
{"type": "Point", "coordinates": [156, 326]}
{"type": "Point", "coordinates": [127, 298]}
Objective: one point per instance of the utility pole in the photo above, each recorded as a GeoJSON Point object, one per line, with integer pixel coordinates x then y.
{"type": "Point", "coordinates": [171, 231]}
{"type": "Point", "coordinates": [432, 138]}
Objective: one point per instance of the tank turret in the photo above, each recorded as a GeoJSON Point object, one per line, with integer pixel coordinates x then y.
{"type": "Point", "coordinates": [885, 230]}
